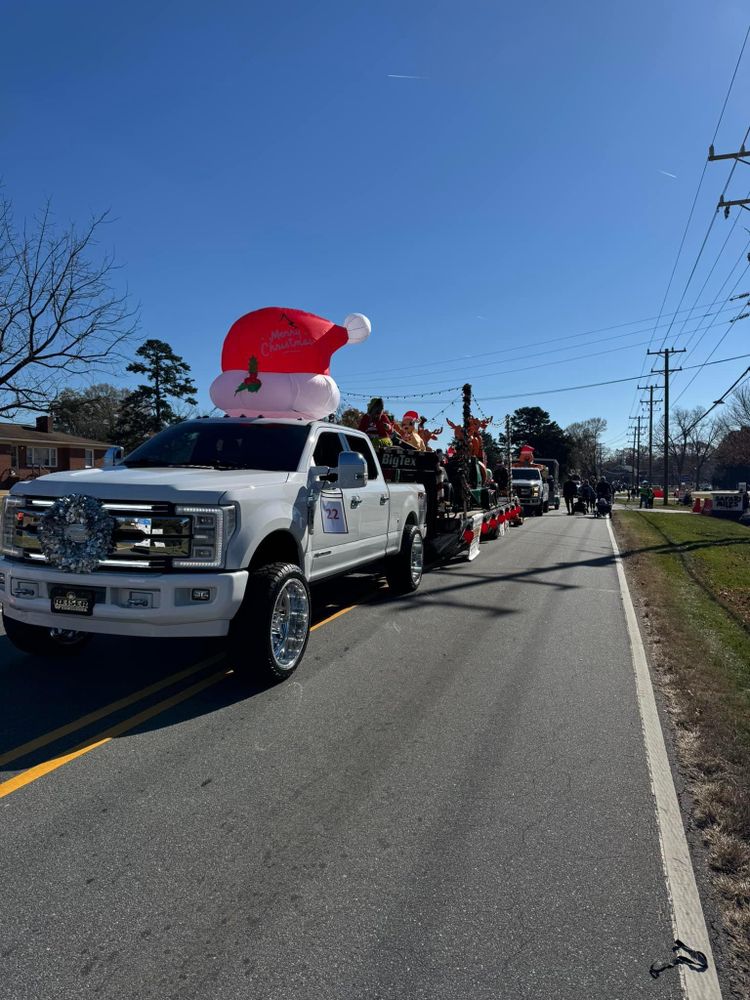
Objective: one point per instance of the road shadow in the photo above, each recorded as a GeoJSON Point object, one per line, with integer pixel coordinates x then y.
{"type": "Point", "coordinates": [115, 677]}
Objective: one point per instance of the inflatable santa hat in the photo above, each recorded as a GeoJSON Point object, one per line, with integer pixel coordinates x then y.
{"type": "Point", "coordinates": [276, 363]}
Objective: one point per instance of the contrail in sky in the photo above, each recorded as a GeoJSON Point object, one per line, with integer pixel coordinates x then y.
{"type": "Point", "coordinates": [404, 76]}
{"type": "Point", "coordinates": [667, 174]}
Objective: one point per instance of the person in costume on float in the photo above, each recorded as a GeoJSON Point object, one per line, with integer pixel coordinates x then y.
{"type": "Point", "coordinates": [376, 425]}
{"type": "Point", "coordinates": [408, 431]}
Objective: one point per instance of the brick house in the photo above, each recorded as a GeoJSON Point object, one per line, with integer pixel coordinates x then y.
{"type": "Point", "coordinates": [28, 451]}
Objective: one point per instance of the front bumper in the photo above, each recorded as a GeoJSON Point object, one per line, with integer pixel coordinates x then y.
{"type": "Point", "coordinates": [172, 611]}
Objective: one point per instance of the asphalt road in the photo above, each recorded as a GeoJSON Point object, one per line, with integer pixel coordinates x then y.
{"type": "Point", "coordinates": [449, 799]}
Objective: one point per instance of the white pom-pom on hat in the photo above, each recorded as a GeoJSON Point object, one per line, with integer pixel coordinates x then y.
{"type": "Point", "coordinates": [358, 327]}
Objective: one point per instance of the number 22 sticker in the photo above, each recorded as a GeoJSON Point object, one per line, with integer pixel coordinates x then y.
{"type": "Point", "coordinates": [334, 517]}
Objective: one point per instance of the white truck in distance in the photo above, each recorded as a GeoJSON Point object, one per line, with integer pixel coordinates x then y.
{"type": "Point", "coordinates": [531, 487]}
{"type": "Point", "coordinates": [214, 527]}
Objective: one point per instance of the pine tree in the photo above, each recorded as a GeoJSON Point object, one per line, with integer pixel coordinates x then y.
{"type": "Point", "coordinates": [168, 378]}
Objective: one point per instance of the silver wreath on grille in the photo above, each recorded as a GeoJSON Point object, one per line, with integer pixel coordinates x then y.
{"type": "Point", "coordinates": [76, 533]}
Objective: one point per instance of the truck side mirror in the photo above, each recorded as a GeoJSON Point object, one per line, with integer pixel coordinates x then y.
{"type": "Point", "coordinates": [113, 456]}
{"type": "Point", "coordinates": [351, 471]}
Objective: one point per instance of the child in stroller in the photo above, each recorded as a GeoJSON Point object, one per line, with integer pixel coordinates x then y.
{"type": "Point", "coordinates": [580, 506]}
{"type": "Point", "coordinates": [603, 508]}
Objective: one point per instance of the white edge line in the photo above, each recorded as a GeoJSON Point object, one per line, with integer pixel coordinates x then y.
{"type": "Point", "coordinates": [688, 921]}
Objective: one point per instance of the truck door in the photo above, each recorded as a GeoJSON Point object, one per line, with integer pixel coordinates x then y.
{"type": "Point", "coordinates": [335, 538]}
{"type": "Point", "coordinates": [372, 500]}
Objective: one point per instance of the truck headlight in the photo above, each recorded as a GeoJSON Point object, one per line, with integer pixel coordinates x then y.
{"type": "Point", "coordinates": [8, 512]}
{"type": "Point", "coordinates": [212, 529]}
{"type": "Point", "coordinates": [535, 491]}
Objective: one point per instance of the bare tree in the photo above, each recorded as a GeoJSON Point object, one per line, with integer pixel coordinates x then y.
{"type": "Point", "coordinates": [59, 315]}
{"type": "Point", "coordinates": [692, 441]}
{"type": "Point", "coordinates": [738, 411]}
{"type": "Point", "coordinates": [703, 441]}
{"type": "Point", "coordinates": [586, 449]}
{"type": "Point", "coordinates": [679, 436]}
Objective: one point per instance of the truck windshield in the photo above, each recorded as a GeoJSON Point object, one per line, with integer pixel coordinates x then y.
{"type": "Point", "coordinates": [527, 474]}
{"type": "Point", "coordinates": [226, 445]}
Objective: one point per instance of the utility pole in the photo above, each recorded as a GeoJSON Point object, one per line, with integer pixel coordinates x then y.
{"type": "Point", "coordinates": [741, 156]}
{"type": "Point", "coordinates": [665, 373]}
{"type": "Point", "coordinates": [651, 389]}
{"type": "Point", "coordinates": [637, 449]}
{"type": "Point", "coordinates": [508, 452]}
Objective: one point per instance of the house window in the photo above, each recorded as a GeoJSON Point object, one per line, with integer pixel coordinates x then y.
{"type": "Point", "coordinates": [88, 458]}
{"type": "Point", "coordinates": [14, 463]}
{"type": "Point", "coordinates": [44, 457]}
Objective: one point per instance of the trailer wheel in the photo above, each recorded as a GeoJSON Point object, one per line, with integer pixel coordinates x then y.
{"type": "Point", "coordinates": [268, 635]}
{"type": "Point", "coordinates": [39, 641]}
{"type": "Point", "coordinates": [404, 571]}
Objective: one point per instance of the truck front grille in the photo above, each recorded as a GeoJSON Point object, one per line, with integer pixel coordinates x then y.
{"type": "Point", "coordinates": [147, 536]}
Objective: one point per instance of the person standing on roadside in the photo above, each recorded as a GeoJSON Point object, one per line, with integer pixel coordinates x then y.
{"type": "Point", "coordinates": [588, 493]}
{"type": "Point", "coordinates": [570, 492]}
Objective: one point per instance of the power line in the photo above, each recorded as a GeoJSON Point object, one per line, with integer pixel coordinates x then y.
{"type": "Point", "coordinates": [533, 392]}
{"type": "Point", "coordinates": [716, 346]}
{"type": "Point", "coordinates": [695, 200]}
{"type": "Point", "coordinates": [523, 347]}
{"type": "Point", "coordinates": [396, 384]}
{"type": "Point", "coordinates": [717, 402]}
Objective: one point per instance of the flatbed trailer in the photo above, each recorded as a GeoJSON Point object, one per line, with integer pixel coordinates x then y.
{"type": "Point", "coordinates": [456, 526]}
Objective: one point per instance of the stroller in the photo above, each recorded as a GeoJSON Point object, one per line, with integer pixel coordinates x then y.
{"type": "Point", "coordinates": [580, 506]}
{"type": "Point", "coordinates": [603, 508]}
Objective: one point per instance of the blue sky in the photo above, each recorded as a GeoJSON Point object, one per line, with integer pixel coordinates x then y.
{"type": "Point", "coordinates": [485, 215]}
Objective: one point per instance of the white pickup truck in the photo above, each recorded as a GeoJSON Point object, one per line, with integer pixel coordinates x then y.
{"type": "Point", "coordinates": [214, 527]}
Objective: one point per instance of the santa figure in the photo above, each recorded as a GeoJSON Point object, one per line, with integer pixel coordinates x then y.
{"type": "Point", "coordinates": [276, 363]}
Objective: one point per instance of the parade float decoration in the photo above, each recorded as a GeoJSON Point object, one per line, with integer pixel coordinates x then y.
{"type": "Point", "coordinates": [276, 363]}
{"type": "Point", "coordinates": [75, 533]}
{"type": "Point", "coordinates": [408, 431]}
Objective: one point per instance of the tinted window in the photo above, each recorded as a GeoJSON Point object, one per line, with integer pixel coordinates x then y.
{"type": "Point", "coordinates": [328, 449]}
{"type": "Point", "coordinates": [529, 474]}
{"type": "Point", "coordinates": [224, 445]}
{"type": "Point", "coordinates": [365, 450]}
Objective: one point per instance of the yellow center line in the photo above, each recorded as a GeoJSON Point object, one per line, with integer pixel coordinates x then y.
{"type": "Point", "coordinates": [26, 777]}
{"type": "Point", "coordinates": [114, 706]}
{"type": "Point", "coordinates": [332, 617]}
{"type": "Point", "coordinates": [46, 767]}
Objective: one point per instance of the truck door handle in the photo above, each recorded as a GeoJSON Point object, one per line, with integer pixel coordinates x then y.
{"type": "Point", "coordinates": [355, 501]}
{"type": "Point", "coordinates": [384, 499]}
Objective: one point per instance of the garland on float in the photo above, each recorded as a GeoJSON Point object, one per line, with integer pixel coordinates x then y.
{"type": "Point", "coordinates": [76, 533]}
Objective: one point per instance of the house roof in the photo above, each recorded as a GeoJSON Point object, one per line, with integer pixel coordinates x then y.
{"type": "Point", "coordinates": [27, 434]}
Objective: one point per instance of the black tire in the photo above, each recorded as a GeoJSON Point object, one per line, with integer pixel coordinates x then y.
{"type": "Point", "coordinates": [404, 571]}
{"type": "Point", "coordinates": [268, 635]}
{"type": "Point", "coordinates": [538, 511]}
{"type": "Point", "coordinates": [545, 508]}
{"type": "Point", "coordinates": [39, 641]}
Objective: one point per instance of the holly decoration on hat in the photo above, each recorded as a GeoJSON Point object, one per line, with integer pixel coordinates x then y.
{"type": "Point", "coordinates": [251, 383]}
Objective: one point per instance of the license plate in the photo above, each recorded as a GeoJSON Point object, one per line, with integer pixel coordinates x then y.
{"type": "Point", "coordinates": [72, 601]}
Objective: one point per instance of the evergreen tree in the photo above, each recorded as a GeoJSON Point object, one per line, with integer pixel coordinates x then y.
{"type": "Point", "coordinates": [533, 426]}
{"type": "Point", "coordinates": [168, 378]}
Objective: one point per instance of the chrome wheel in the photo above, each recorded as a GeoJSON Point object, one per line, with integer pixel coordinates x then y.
{"type": "Point", "coordinates": [290, 621]}
{"type": "Point", "coordinates": [416, 561]}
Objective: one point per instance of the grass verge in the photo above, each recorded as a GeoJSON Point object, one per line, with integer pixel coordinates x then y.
{"type": "Point", "coordinates": [691, 582]}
